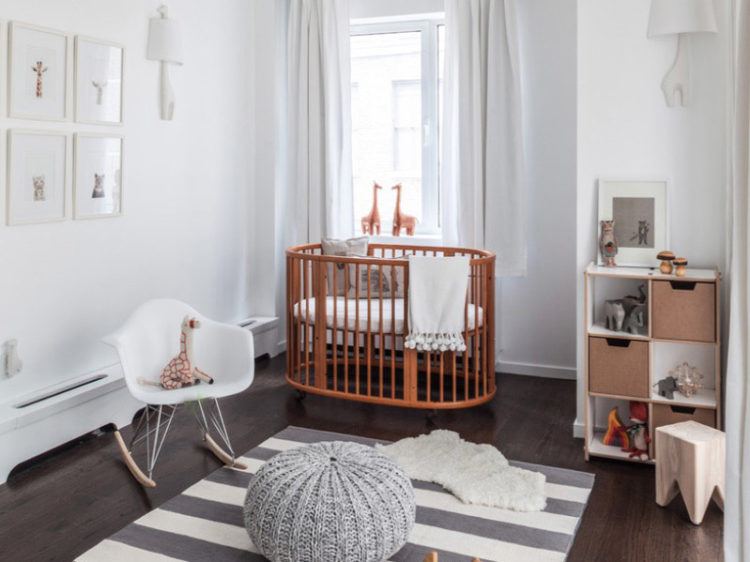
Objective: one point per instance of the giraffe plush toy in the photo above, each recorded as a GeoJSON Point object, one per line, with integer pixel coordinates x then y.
{"type": "Point", "coordinates": [181, 370]}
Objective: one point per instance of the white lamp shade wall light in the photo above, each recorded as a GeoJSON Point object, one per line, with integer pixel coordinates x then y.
{"type": "Point", "coordinates": [165, 46]}
{"type": "Point", "coordinates": [680, 17]}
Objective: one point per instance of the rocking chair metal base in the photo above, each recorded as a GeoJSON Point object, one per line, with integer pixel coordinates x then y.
{"type": "Point", "coordinates": [155, 441]}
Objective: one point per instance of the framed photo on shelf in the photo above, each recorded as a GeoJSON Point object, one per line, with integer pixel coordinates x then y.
{"type": "Point", "coordinates": [36, 176]}
{"type": "Point", "coordinates": [97, 176]}
{"type": "Point", "coordinates": [98, 81]}
{"type": "Point", "coordinates": [639, 211]}
{"type": "Point", "coordinates": [37, 72]}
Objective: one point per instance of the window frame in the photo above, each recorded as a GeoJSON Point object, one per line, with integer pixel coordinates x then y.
{"type": "Point", "coordinates": [428, 28]}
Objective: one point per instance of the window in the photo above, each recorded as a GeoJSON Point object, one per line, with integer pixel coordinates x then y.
{"type": "Point", "coordinates": [395, 119]}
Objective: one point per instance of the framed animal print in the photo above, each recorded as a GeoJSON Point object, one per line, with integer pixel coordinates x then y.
{"type": "Point", "coordinates": [37, 72]}
{"type": "Point", "coordinates": [638, 214]}
{"type": "Point", "coordinates": [36, 176]}
{"type": "Point", "coordinates": [97, 176]}
{"type": "Point", "coordinates": [98, 83]}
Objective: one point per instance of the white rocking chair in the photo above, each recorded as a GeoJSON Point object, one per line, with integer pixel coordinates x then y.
{"type": "Point", "coordinates": [146, 343]}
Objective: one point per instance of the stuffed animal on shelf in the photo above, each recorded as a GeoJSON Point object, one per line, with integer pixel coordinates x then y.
{"type": "Point", "coordinates": [616, 435]}
{"type": "Point", "coordinates": [608, 243]}
{"type": "Point", "coordinates": [614, 314]}
{"type": "Point", "coordinates": [638, 437]}
{"type": "Point", "coordinates": [666, 387]}
{"type": "Point", "coordinates": [181, 370]}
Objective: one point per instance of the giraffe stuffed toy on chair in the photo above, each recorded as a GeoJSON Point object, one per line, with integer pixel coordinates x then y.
{"type": "Point", "coordinates": [181, 370]}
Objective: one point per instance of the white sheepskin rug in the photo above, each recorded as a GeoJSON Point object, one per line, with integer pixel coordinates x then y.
{"type": "Point", "coordinates": [475, 474]}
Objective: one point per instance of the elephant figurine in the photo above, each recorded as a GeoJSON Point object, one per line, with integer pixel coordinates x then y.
{"type": "Point", "coordinates": [667, 387]}
{"type": "Point", "coordinates": [635, 319]}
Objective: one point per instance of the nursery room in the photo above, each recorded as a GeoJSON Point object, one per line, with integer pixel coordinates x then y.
{"type": "Point", "coordinates": [374, 280]}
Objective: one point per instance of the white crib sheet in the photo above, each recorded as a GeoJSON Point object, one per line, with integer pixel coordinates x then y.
{"type": "Point", "coordinates": [301, 309]}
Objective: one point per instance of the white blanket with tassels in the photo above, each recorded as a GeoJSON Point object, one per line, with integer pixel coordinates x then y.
{"type": "Point", "coordinates": [437, 299]}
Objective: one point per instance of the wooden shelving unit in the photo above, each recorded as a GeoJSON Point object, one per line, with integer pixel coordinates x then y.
{"type": "Point", "coordinates": [682, 324]}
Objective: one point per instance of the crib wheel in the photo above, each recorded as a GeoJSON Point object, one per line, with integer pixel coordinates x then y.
{"type": "Point", "coordinates": [301, 394]}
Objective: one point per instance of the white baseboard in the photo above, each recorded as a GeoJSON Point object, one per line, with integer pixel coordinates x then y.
{"type": "Point", "coordinates": [280, 348]}
{"type": "Point", "coordinates": [536, 370]}
{"type": "Point", "coordinates": [578, 429]}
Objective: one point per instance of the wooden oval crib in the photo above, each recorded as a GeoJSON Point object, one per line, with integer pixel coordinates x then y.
{"type": "Point", "coordinates": [353, 345]}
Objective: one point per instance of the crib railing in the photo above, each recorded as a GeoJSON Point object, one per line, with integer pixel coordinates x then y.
{"type": "Point", "coordinates": [347, 318]}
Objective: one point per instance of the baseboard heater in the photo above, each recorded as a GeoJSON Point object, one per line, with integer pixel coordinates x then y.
{"type": "Point", "coordinates": [51, 394]}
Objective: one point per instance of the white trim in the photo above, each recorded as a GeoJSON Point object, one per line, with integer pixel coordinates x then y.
{"type": "Point", "coordinates": [536, 370]}
{"type": "Point", "coordinates": [578, 429]}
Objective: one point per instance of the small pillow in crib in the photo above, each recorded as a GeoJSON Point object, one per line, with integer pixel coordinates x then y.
{"type": "Point", "coordinates": [350, 247]}
{"type": "Point", "coordinates": [385, 281]}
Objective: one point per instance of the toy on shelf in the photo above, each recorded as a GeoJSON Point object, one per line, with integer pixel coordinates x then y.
{"type": "Point", "coordinates": [666, 257]}
{"type": "Point", "coordinates": [608, 243]}
{"type": "Point", "coordinates": [637, 431]}
{"type": "Point", "coordinates": [627, 314]}
{"type": "Point", "coordinates": [667, 387]}
{"type": "Point", "coordinates": [371, 221]}
{"type": "Point", "coordinates": [402, 220]}
{"type": "Point", "coordinates": [680, 265]}
{"type": "Point", "coordinates": [688, 379]}
{"type": "Point", "coordinates": [616, 435]}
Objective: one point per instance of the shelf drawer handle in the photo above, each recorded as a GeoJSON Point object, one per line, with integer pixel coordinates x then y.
{"type": "Point", "coordinates": [617, 342]}
{"type": "Point", "coordinates": [683, 285]}
{"type": "Point", "coordinates": [682, 410]}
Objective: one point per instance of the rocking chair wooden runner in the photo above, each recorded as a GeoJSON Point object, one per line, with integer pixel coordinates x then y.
{"type": "Point", "coordinates": [145, 344]}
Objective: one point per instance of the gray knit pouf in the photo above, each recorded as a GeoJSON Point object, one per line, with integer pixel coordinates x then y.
{"type": "Point", "coordinates": [329, 502]}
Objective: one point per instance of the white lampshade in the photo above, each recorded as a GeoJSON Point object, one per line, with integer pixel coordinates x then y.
{"type": "Point", "coordinates": [669, 17]}
{"type": "Point", "coordinates": [164, 41]}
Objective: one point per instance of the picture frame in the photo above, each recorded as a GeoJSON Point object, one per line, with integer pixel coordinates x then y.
{"type": "Point", "coordinates": [98, 81]}
{"type": "Point", "coordinates": [97, 175]}
{"type": "Point", "coordinates": [639, 209]}
{"type": "Point", "coordinates": [36, 176]}
{"type": "Point", "coordinates": [37, 73]}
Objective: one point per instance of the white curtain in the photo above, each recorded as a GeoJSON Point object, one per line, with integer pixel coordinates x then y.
{"type": "Point", "coordinates": [319, 176]}
{"type": "Point", "coordinates": [482, 179]}
{"type": "Point", "coordinates": [737, 516]}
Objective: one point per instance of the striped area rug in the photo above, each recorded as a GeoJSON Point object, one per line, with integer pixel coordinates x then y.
{"type": "Point", "coordinates": [204, 523]}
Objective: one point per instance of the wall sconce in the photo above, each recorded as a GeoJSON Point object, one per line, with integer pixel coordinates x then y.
{"type": "Point", "coordinates": [164, 46]}
{"type": "Point", "coordinates": [680, 17]}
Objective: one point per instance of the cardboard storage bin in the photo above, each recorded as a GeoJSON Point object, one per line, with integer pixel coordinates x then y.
{"type": "Point", "coordinates": [683, 310]}
{"type": "Point", "coordinates": [618, 367]}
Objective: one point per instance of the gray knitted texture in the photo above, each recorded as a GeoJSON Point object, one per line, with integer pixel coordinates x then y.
{"type": "Point", "coordinates": [329, 502]}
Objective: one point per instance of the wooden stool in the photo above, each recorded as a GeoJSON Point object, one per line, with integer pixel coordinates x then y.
{"type": "Point", "coordinates": [433, 557]}
{"type": "Point", "coordinates": [690, 455]}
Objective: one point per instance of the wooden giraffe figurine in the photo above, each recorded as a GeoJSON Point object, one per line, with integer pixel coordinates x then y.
{"type": "Point", "coordinates": [181, 370]}
{"type": "Point", "coordinates": [433, 557]}
{"type": "Point", "coordinates": [371, 221]}
{"type": "Point", "coordinates": [40, 69]}
{"type": "Point", "coordinates": [401, 220]}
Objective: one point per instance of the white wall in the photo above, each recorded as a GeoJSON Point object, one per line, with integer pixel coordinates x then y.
{"type": "Point", "coordinates": [186, 187]}
{"type": "Point", "coordinates": [626, 130]}
{"type": "Point", "coordinates": [536, 314]}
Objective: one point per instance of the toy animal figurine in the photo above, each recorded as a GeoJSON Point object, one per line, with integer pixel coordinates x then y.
{"type": "Point", "coordinates": [98, 186]}
{"type": "Point", "coordinates": [608, 243]}
{"type": "Point", "coordinates": [688, 379]}
{"type": "Point", "coordinates": [39, 69]}
{"type": "Point", "coordinates": [39, 188]}
{"type": "Point", "coordinates": [638, 436]}
{"type": "Point", "coordinates": [641, 234]}
{"type": "Point", "coordinates": [181, 370]}
{"type": "Point", "coordinates": [635, 319]}
{"type": "Point", "coordinates": [666, 387]}
{"type": "Point", "coordinates": [614, 314]}
{"type": "Point", "coordinates": [371, 221]}
{"type": "Point", "coordinates": [616, 435]}
{"type": "Point", "coordinates": [99, 86]}
{"type": "Point", "coordinates": [402, 220]}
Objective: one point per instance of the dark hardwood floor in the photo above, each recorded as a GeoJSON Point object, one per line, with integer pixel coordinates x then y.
{"type": "Point", "coordinates": [62, 505]}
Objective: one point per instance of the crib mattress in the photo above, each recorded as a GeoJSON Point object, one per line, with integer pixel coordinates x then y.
{"type": "Point", "coordinates": [303, 308]}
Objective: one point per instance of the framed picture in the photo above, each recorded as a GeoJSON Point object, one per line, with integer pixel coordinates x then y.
{"type": "Point", "coordinates": [639, 211]}
{"type": "Point", "coordinates": [98, 81]}
{"type": "Point", "coordinates": [97, 176]}
{"type": "Point", "coordinates": [36, 176]}
{"type": "Point", "coordinates": [37, 72]}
